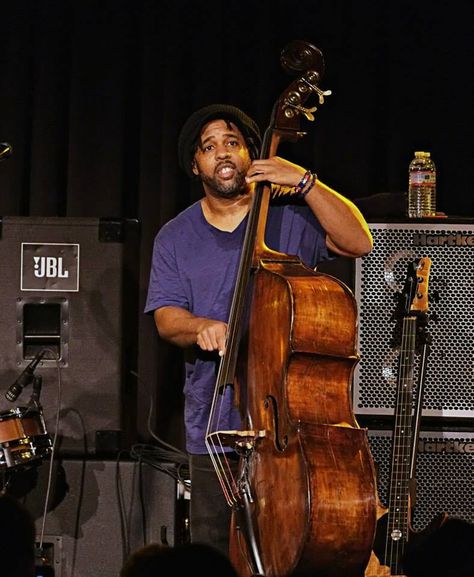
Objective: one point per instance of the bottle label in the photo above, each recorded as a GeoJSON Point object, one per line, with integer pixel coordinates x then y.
{"type": "Point", "coordinates": [423, 178]}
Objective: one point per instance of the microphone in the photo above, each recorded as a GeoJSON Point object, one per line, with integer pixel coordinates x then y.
{"type": "Point", "coordinates": [6, 150]}
{"type": "Point", "coordinates": [24, 379]}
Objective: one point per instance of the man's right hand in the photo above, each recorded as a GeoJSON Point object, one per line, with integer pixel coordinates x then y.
{"type": "Point", "coordinates": [182, 328]}
{"type": "Point", "coordinates": [211, 335]}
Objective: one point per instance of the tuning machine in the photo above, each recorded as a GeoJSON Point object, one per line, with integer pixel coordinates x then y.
{"type": "Point", "coordinates": [309, 81]}
{"type": "Point", "coordinates": [293, 101]}
{"type": "Point", "coordinates": [294, 108]}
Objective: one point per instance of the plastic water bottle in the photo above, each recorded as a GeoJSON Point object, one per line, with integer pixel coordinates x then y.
{"type": "Point", "coordinates": [421, 186]}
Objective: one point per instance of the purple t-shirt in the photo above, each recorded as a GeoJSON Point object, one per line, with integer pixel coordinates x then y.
{"type": "Point", "coordinates": [194, 266]}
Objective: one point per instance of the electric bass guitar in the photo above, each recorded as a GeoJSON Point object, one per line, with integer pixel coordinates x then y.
{"type": "Point", "coordinates": [394, 533]}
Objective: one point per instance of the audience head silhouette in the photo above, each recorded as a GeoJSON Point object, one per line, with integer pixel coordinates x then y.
{"type": "Point", "coordinates": [185, 559]}
{"type": "Point", "coordinates": [17, 539]}
{"type": "Point", "coordinates": [445, 552]}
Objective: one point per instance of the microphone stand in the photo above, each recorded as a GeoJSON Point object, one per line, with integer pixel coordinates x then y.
{"type": "Point", "coordinates": [416, 420]}
{"type": "Point", "coordinates": [34, 401]}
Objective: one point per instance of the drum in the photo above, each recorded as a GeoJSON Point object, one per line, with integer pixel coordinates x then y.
{"type": "Point", "coordinates": [23, 437]}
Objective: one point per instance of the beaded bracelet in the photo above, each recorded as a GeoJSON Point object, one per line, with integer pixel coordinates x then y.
{"type": "Point", "coordinates": [308, 185]}
{"type": "Point", "coordinates": [302, 183]}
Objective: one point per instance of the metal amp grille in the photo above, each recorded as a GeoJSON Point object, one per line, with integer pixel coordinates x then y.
{"type": "Point", "coordinates": [449, 388]}
{"type": "Point", "coordinates": [443, 473]}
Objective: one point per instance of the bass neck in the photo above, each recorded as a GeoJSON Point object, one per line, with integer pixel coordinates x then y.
{"type": "Point", "coordinates": [394, 525]}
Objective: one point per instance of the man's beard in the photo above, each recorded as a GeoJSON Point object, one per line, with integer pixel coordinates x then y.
{"type": "Point", "coordinates": [229, 188]}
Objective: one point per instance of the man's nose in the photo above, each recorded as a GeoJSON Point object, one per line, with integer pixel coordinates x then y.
{"type": "Point", "coordinates": [222, 151]}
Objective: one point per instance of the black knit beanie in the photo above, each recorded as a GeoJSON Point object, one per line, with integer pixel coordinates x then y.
{"type": "Point", "coordinates": [189, 135]}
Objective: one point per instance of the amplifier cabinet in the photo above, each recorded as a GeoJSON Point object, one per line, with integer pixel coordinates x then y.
{"type": "Point", "coordinates": [443, 472]}
{"type": "Point", "coordinates": [379, 276]}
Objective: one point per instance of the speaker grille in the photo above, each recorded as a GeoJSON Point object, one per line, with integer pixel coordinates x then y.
{"type": "Point", "coordinates": [379, 276]}
{"type": "Point", "coordinates": [443, 472]}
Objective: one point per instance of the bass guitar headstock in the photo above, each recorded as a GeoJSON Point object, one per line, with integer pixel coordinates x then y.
{"type": "Point", "coordinates": [419, 301]}
{"type": "Point", "coordinates": [413, 300]}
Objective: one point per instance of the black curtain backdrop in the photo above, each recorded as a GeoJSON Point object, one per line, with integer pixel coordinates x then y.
{"type": "Point", "coordinates": [94, 92]}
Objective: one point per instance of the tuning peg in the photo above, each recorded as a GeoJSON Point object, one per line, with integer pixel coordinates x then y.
{"type": "Point", "coordinates": [308, 112]}
{"type": "Point", "coordinates": [322, 94]}
{"type": "Point", "coordinates": [305, 84]}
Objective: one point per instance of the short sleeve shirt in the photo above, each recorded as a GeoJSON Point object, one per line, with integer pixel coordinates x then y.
{"type": "Point", "coordinates": [195, 266]}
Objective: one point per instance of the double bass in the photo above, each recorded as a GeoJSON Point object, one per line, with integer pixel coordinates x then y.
{"type": "Point", "coordinates": [304, 498]}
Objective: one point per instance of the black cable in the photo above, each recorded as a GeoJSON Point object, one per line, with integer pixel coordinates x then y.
{"type": "Point", "coordinates": [122, 509]}
{"type": "Point", "coordinates": [142, 500]}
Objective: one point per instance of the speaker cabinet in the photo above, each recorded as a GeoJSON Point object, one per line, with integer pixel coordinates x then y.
{"type": "Point", "coordinates": [443, 472]}
{"type": "Point", "coordinates": [70, 289]}
{"type": "Point", "coordinates": [100, 511]}
{"type": "Point", "coordinates": [448, 391]}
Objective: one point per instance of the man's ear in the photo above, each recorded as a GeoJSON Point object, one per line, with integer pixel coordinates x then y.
{"type": "Point", "coordinates": [194, 167]}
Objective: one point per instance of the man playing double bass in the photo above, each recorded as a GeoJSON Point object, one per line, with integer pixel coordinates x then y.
{"type": "Point", "coordinates": [195, 264]}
